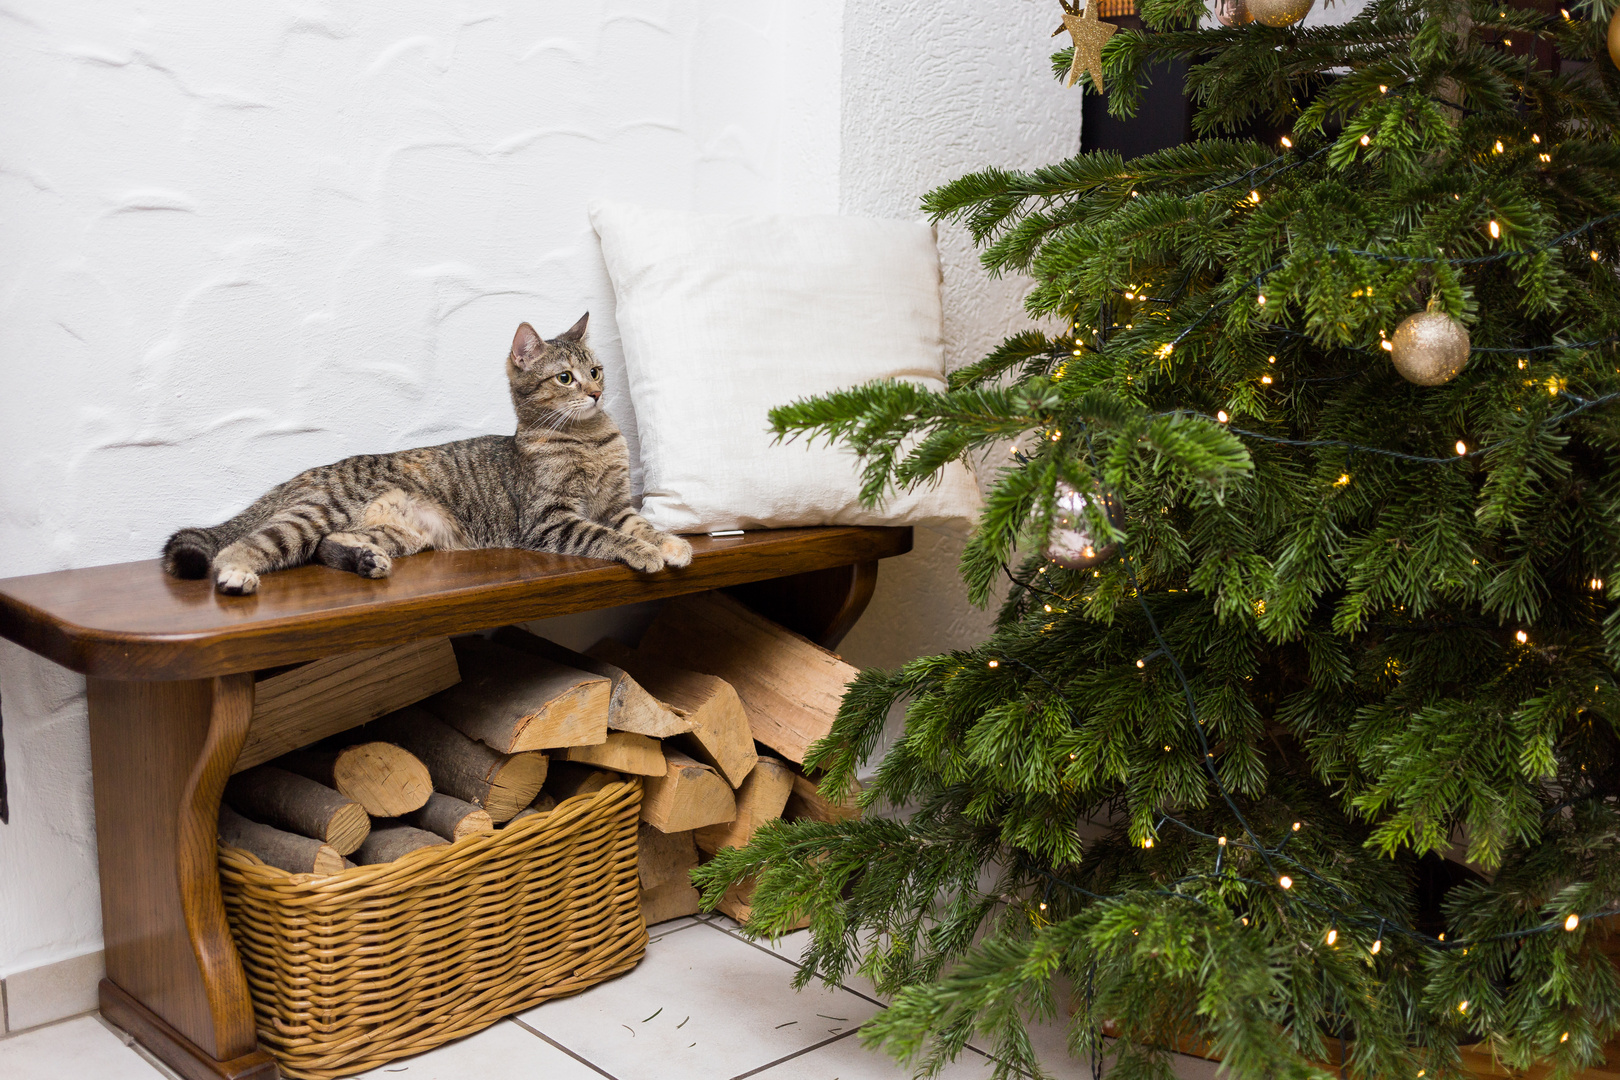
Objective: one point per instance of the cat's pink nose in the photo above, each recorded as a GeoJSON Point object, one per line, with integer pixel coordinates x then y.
{"type": "Point", "coordinates": [596, 395]}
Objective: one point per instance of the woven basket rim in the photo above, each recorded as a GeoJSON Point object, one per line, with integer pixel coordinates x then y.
{"type": "Point", "coordinates": [571, 812]}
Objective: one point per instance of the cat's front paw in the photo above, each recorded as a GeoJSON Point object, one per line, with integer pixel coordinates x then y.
{"type": "Point", "coordinates": [233, 581]}
{"type": "Point", "coordinates": [643, 557]}
{"type": "Point", "coordinates": [371, 563]}
{"type": "Point", "coordinates": [676, 551]}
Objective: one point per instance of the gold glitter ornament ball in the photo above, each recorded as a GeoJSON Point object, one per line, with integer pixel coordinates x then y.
{"type": "Point", "coordinates": [1430, 348]}
{"type": "Point", "coordinates": [1614, 37]}
{"type": "Point", "coordinates": [1071, 543]}
{"type": "Point", "coordinates": [1277, 12]}
{"type": "Point", "coordinates": [1232, 12]}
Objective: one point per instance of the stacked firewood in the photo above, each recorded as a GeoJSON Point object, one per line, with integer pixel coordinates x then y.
{"type": "Point", "coordinates": [420, 745]}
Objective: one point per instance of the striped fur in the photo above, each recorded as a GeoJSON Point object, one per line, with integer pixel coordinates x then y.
{"type": "Point", "coordinates": [561, 484]}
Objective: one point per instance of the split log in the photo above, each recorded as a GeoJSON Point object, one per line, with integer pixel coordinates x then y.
{"type": "Point", "coordinates": [738, 902]}
{"type": "Point", "coordinates": [298, 804]}
{"type": "Point", "coordinates": [762, 798]}
{"type": "Point", "coordinates": [568, 778]}
{"type": "Point", "coordinates": [720, 732]}
{"type": "Point", "coordinates": [275, 847]}
{"type": "Point", "coordinates": [669, 901]}
{"type": "Point", "coordinates": [790, 686]}
{"type": "Point", "coordinates": [807, 802]}
{"type": "Point", "coordinates": [513, 701]}
{"type": "Point", "coordinates": [630, 706]}
{"type": "Point", "coordinates": [387, 780]}
{"type": "Point", "coordinates": [296, 706]}
{"type": "Point", "coordinates": [689, 795]}
{"type": "Point", "coordinates": [624, 752]}
{"type": "Point", "coordinates": [391, 839]}
{"type": "Point", "coordinates": [663, 857]}
{"type": "Point", "coordinates": [501, 784]}
{"type": "Point", "coordinates": [450, 817]}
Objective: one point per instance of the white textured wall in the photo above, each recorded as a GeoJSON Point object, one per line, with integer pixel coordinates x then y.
{"type": "Point", "coordinates": [933, 90]}
{"type": "Point", "coordinates": [238, 240]}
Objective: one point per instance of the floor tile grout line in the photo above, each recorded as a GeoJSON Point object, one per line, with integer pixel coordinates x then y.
{"type": "Point", "coordinates": [841, 986]}
{"type": "Point", "coordinates": [678, 929]}
{"type": "Point", "coordinates": [591, 1065]}
{"type": "Point", "coordinates": [794, 963]}
{"type": "Point", "coordinates": [796, 1053]}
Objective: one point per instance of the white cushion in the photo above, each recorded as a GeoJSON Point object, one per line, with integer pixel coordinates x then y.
{"type": "Point", "coordinates": [724, 317]}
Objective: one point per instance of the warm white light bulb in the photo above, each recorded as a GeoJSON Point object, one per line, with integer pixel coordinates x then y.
{"type": "Point", "coordinates": [1332, 936]}
{"type": "Point", "coordinates": [1366, 139]}
{"type": "Point", "coordinates": [1496, 229]}
{"type": "Point", "coordinates": [1522, 637]}
{"type": "Point", "coordinates": [1377, 946]}
{"type": "Point", "coordinates": [1572, 922]}
{"type": "Point", "coordinates": [1220, 414]}
{"type": "Point", "coordinates": [1288, 144]}
{"type": "Point", "coordinates": [1462, 447]}
{"type": "Point", "coordinates": [1286, 882]}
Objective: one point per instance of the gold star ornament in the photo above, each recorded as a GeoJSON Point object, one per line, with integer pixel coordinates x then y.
{"type": "Point", "coordinates": [1090, 34]}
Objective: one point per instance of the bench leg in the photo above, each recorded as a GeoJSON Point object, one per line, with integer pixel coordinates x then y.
{"type": "Point", "coordinates": [161, 753]}
{"type": "Point", "coordinates": [823, 605]}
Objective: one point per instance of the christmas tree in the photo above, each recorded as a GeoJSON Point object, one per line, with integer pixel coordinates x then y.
{"type": "Point", "coordinates": [1297, 735]}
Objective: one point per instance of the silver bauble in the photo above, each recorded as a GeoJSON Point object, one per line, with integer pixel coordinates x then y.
{"type": "Point", "coordinates": [1429, 348]}
{"type": "Point", "coordinates": [1278, 13]}
{"type": "Point", "coordinates": [1071, 543]}
{"type": "Point", "coordinates": [1232, 12]}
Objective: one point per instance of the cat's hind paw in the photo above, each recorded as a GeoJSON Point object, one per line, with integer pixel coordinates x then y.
{"type": "Point", "coordinates": [643, 557]}
{"type": "Point", "coordinates": [676, 551]}
{"type": "Point", "coordinates": [233, 581]}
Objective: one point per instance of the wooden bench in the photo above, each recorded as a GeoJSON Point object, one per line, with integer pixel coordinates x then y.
{"type": "Point", "coordinates": [170, 666]}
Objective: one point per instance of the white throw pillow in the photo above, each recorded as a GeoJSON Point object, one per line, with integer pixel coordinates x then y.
{"type": "Point", "coordinates": [723, 317]}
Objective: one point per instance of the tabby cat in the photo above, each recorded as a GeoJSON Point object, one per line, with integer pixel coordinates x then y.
{"type": "Point", "coordinates": [561, 484]}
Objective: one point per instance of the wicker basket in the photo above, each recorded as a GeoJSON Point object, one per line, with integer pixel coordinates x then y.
{"type": "Point", "coordinates": [355, 969]}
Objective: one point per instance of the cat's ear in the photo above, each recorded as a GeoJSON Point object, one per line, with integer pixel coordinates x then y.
{"type": "Point", "coordinates": [575, 333]}
{"type": "Point", "coordinates": [526, 345]}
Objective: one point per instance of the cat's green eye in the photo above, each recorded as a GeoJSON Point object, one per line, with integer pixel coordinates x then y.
{"type": "Point", "coordinates": [596, 372]}
{"type": "Point", "coordinates": [566, 377]}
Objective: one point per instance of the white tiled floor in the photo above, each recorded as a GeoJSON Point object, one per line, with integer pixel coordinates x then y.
{"type": "Point", "coordinates": [704, 1005]}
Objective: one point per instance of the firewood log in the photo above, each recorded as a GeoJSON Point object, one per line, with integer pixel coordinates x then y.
{"type": "Point", "coordinates": [670, 900]}
{"type": "Point", "coordinates": [298, 705]}
{"type": "Point", "coordinates": [630, 708]}
{"type": "Point", "coordinates": [808, 802]}
{"type": "Point", "coordinates": [624, 752]}
{"type": "Point", "coordinates": [761, 798]}
{"type": "Point", "coordinates": [387, 780]}
{"type": "Point", "coordinates": [298, 804]}
{"type": "Point", "coordinates": [514, 701]}
{"type": "Point", "coordinates": [390, 839]}
{"type": "Point", "coordinates": [738, 902]}
{"type": "Point", "coordinates": [720, 732]}
{"type": "Point", "coordinates": [275, 847]}
{"type": "Point", "coordinates": [790, 686]}
{"type": "Point", "coordinates": [689, 795]}
{"type": "Point", "coordinates": [568, 778]}
{"type": "Point", "coordinates": [502, 784]}
{"type": "Point", "coordinates": [450, 817]}
{"type": "Point", "coordinates": [663, 857]}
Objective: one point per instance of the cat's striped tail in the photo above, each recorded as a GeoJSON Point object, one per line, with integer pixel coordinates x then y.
{"type": "Point", "coordinates": [190, 552]}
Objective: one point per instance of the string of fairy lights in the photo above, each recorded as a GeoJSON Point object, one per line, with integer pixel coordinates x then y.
{"type": "Point", "coordinates": [1281, 866]}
